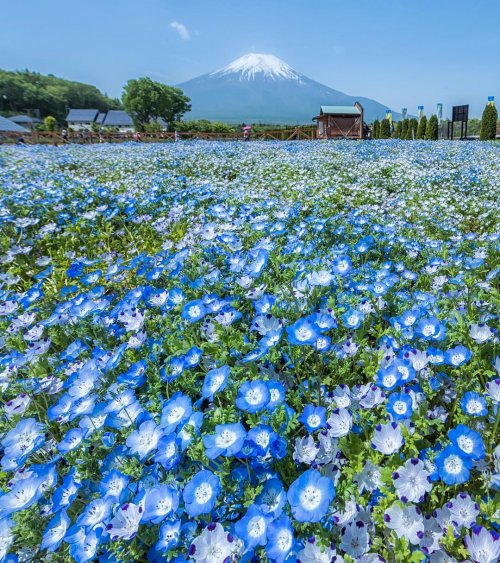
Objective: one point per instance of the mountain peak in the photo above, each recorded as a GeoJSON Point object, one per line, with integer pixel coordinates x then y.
{"type": "Point", "coordinates": [252, 64]}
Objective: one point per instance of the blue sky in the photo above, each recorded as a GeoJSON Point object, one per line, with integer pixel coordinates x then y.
{"type": "Point", "coordinates": [400, 52]}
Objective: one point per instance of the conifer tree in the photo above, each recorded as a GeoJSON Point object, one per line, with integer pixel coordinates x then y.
{"type": "Point", "coordinates": [399, 130]}
{"type": "Point", "coordinates": [376, 129]}
{"type": "Point", "coordinates": [431, 131]}
{"type": "Point", "coordinates": [422, 126]}
{"type": "Point", "coordinates": [385, 129]}
{"type": "Point", "coordinates": [404, 127]}
{"type": "Point", "coordinates": [489, 123]}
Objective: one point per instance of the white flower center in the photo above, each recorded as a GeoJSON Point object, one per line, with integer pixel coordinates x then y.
{"type": "Point", "coordinates": [256, 526]}
{"type": "Point", "coordinates": [465, 444]}
{"type": "Point", "coordinates": [400, 407]}
{"type": "Point", "coordinates": [453, 464]}
{"type": "Point", "coordinates": [303, 333]}
{"type": "Point", "coordinates": [253, 397]}
{"type": "Point", "coordinates": [203, 493]}
{"type": "Point", "coordinates": [313, 420]}
{"type": "Point", "coordinates": [175, 414]}
{"type": "Point", "coordinates": [310, 497]}
{"type": "Point", "coordinates": [226, 438]}
{"type": "Point", "coordinates": [474, 406]}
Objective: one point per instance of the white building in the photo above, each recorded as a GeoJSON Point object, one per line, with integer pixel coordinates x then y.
{"type": "Point", "coordinates": [118, 120]}
{"type": "Point", "coordinates": [78, 119]}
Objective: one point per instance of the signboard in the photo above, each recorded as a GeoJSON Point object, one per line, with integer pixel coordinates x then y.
{"type": "Point", "coordinates": [491, 100]}
{"type": "Point", "coordinates": [420, 111]}
{"type": "Point", "coordinates": [388, 115]}
{"type": "Point", "coordinates": [460, 113]}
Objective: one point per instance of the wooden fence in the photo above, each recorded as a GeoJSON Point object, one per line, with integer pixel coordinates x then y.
{"type": "Point", "coordinates": [54, 137]}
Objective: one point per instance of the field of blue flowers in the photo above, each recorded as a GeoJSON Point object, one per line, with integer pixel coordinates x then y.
{"type": "Point", "coordinates": [215, 352]}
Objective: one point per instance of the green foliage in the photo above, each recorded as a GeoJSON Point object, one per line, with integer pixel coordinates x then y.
{"type": "Point", "coordinates": [204, 126]}
{"type": "Point", "coordinates": [422, 127]}
{"type": "Point", "coordinates": [385, 129]}
{"type": "Point", "coordinates": [24, 91]}
{"type": "Point", "coordinates": [404, 128]}
{"type": "Point", "coordinates": [431, 131]}
{"type": "Point", "coordinates": [489, 123]}
{"type": "Point", "coordinates": [399, 130]}
{"type": "Point", "coordinates": [376, 129]}
{"type": "Point", "coordinates": [50, 123]}
{"type": "Point", "coordinates": [146, 100]}
{"type": "Point", "coordinates": [411, 133]}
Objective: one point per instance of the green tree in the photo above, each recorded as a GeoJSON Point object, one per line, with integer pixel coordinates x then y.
{"type": "Point", "coordinates": [399, 130]}
{"type": "Point", "coordinates": [146, 100]}
{"type": "Point", "coordinates": [404, 127]}
{"type": "Point", "coordinates": [422, 126]}
{"type": "Point", "coordinates": [385, 129]}
{"type": "Point", "coordinates": [376, 129]}
{"type": "Point", "coordinates": [25, 91]}
{"type": "Point", "coordinates": [411, 133]}
{"type": "Point", "coordinates": [431, 131]}
{"type": "Point", "coordinates": [489, 123]}
{"type": "Point", "coordinates": [49, 123]}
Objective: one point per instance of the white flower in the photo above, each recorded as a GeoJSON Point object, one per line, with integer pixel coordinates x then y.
{"type": "Point", "coordinates": [406, 521]}
{"type": "Point", "coordinates": [387, 438]}
{"type": "Point", "coordinates": [213, 545]}
{"type": "Point", "coordinates": [483, 546]}
{"type": "Point", "coordinates": [6, 536]}
{"type": "Point", "coordinates": [313, 553]}
{"type": "Point", "coordinates": [412, 481]}
{"type": "Point", "coordinates": [369, 479]}
{"type": "Point", "coordinates": [339, 423]}
{"type": "Point", "coordinates": [463, 511]}
{"type": "Point", "coordinates": [355, 539]}
{"type": "Point", "coordinates": [126, 522]}
{"type": "Point", "coordinates": [305, 450]}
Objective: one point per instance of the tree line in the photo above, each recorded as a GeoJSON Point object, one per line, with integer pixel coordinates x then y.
{"type": "Point", "coordinates": [423, 128]}
{"type": "Point", "coordinates": [22, 91]}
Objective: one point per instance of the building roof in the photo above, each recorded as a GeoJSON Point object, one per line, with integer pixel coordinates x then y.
{"type": "Point", "coordinates": [84, 115]}
{"type": "Point", "coordinates": [343, 110]}
{"type": "Point", "coordinates": [117, 118]}
{"type": "Point", "coordinates": [100, 118]}
{"type": "Point", "coordinates": [8, 125]}
{"type": "Point", "coordinates": [25, 119]}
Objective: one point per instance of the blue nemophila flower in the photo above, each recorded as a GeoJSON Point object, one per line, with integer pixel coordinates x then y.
{"type": "Point", "coordinates": [341, 265]}
{"type": "Point", "coordinates": [168, 451]}
{"type": "Point", "coordinates": [55, 531]}
{"type": "Point", "coordinates": [313, 418]}
{"type": "Point", "coordinates": [430, 328]}
{"type": "Point", "coordinates": [400, 405]}
{"type": "Point", "coordinates": [412, 481]}
{"type": "Point", "coordinates": [114, 485]}
{"type": "Point", "coordinates": [262, 436]}
{"type": "Point", "coordinates": [201, 492]}
{"type": "Point", "coordinates": [453, 467]}
{"type": "Point", "coordinates": [457, 356]}
{"type": "Point", "coordinates": [253, 396]}
{"type": "Point", "coordinates": [227, 440]}
{"type": "Point", "coordinates": [22, 495]}
{"type": "Point", "coordinates": [72, 439]}
{"type": "Point", "coordinates": [252, 528]}
{"type": "Point", "coordinates": [480, 333]}
{"type": "Point", "coordinates": [168, 536]}
{"type": "Point", "coordinates": [353, 319]}
{"type": "Point", "coordinates": [389, 377]}
{"type": "Point", "coordinates": [493, 390]}
{"type": "Point", "coordinates": [280, 539]}
{"type": "Point", "coordinates": [302, 332]}
{"type": "Point", "coordinates": [387, 438]}
{"type": "Point", "coordinates": [310, 496]}
{"type": "Point", "coordinates": [215, 381]}
{"type": "Point", "coordinates": [474, 404]}
{"type": "Point", "coordinates": [145, 439]}
{"type": "Point", "coordinates": [20, 442]}
{"type": "Point", "coordinates": [159, 503]}
{"type": "Point", "coordinates": [175, 412]}
{"type": "Point", "coordinates": [193, 311]}
{"type": "Point", "coordinates": [468, 441]}
{"type": "Point", "coordinates": [95, 512]}
{"type": "Point", "coordinates": [272, 498]}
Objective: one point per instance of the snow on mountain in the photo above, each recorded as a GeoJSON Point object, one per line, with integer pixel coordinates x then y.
{"type": "Point", "coordinates": [259, 88]}
{"type": "Point", "coordinates": [251, 64]}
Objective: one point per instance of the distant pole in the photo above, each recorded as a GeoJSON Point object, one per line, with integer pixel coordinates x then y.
{"type": "Point", "coordinates": [404, 112]}
{"type": "Point", "coordinates": [420, 112]}
{"type": "Point", "coordinates": [491, 100]}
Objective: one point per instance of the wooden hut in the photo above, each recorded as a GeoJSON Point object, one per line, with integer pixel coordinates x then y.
{"type": "Point", "coordinates": [340, 122]}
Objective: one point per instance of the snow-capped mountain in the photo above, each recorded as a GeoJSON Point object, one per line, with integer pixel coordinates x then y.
{"type": "Point", "coordinates": [250, 65]}
{"type": "Point", "coordinates": [263, 88]}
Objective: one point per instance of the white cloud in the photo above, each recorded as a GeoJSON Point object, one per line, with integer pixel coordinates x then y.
{"type": "Point", "coordinates": [181, 29]}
